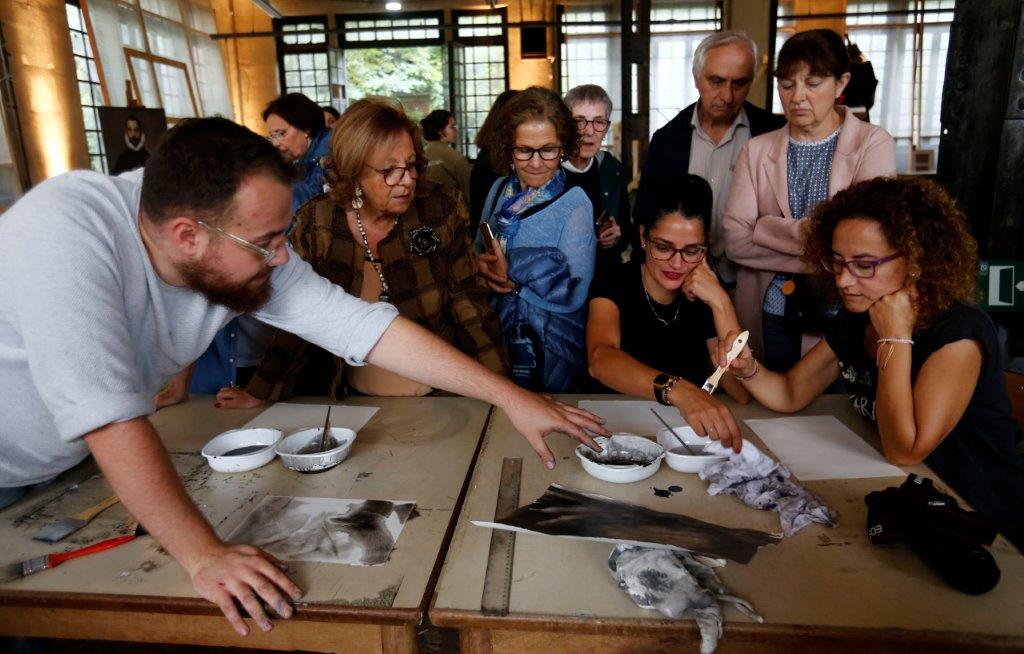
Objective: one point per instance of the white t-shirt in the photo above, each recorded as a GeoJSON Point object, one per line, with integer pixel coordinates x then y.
{"type": "Point", "coordinates": [89, 332]}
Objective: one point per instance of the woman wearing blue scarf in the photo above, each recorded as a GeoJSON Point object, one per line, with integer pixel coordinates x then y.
{"type": "Point", "coordinates": [295, 125]}
{"type": "Point", "coordinates": [541, 262]}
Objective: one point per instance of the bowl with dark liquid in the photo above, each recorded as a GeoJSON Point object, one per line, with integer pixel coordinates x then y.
{"type": "Point", "coordinates": [625, 458]}
{"type": "Point", "coordinates": [301, 451]}
{"type": "Point", "coordinates": [239, 450]}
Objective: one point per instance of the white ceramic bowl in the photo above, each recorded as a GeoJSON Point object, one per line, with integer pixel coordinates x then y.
{"type": "Point", "coordinates": [289, 449]}
{"type": "Point", "coordinates": [622, 474]}
{"type": "Point", "coordinates": [676, 455]}
{"type": "Point", "coordinates": [239, 450]}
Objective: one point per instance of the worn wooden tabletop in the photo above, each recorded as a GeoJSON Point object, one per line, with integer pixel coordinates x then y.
{"type": "Point", "coordinates": [416, 449]}
{"type": "Point", "coordinates": [823, 587]}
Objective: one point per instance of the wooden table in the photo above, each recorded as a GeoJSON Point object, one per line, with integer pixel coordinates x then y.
{"type": "Point", "coordinates": [822, 590]}
{"type": "Point", "coordinates": [418, 449]}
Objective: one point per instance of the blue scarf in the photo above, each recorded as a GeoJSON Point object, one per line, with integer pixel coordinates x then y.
{"type": "Point", "coordinates": [514, 202]}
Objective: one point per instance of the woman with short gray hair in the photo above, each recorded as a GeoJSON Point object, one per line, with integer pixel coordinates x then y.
{"type": "Point", "coordinates": [599, 174]}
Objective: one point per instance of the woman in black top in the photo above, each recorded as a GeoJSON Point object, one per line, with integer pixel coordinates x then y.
{"type": "Point", "coordinates": [917, 356]}
{"type": "Point", "coordinates": [655, 324]}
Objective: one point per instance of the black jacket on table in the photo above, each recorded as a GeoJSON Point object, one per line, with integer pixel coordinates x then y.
{"type": "Point", "coordinates": [669, 153]}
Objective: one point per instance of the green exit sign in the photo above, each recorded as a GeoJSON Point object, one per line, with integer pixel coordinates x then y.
{"type": "Point", "coordinates": [1001, 284]}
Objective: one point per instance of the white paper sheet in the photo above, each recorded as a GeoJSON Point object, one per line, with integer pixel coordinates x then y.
{"type": "Point", "coordinates": [821, 447]}
{"type": "Point", "coordinates": [290, 418]}
{"type": "Point", "coordinates": [633, 416]}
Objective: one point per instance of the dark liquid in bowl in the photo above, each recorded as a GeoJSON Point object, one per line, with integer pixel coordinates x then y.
{"type": "Point", "coordinates": [248, 449]}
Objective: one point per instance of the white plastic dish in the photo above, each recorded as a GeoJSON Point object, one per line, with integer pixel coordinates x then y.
{"type": "Point", "coordinates": [289, 449]}
{"type": "Point", "coordinates": [622, 474]}
{"type": "Point", "coordinates": [676, 455]}
{"type": "Point", "coordinates": [239, 450]}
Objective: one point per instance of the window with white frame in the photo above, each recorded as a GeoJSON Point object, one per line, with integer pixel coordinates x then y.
{"type": "Point", "coordinates": [89, 91]}
{"type": "Point", "coordinates": [591, 53]}
{"type": "Point", "coordinates": [163, 50]}
{"type": "Point", "coordinates": [677, 28]}
{"type": "Point", "coordinates": [907, 47]}
{"type": "Point", "coordinates": [410, 46]}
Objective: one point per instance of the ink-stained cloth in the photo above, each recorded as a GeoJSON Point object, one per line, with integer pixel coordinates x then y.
{"type": "Point", "coordinates": [550, 245]}
{"type": "Point", "coordinates": [762, 483]}
{"type": "Point", "coordinates": [89, 332]}
{"type": "Point", "coordinates": [434, 283]}
{"type": "Point", "coordinates": [675, 583]}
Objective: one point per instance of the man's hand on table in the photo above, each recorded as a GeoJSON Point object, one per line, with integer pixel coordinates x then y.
{"type": "Point", "coordinates": [536, 416]}
{"type": "Point", "coordinates": [135, 462]}
{"type": "Point", "coordinates": [248, 575]}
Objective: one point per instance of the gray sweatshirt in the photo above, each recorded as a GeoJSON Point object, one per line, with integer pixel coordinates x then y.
{"type": "Point", "coordinates": [89, 332]}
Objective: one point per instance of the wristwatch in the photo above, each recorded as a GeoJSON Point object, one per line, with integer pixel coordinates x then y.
{"type": "Point", "coordinates": [663, 383]}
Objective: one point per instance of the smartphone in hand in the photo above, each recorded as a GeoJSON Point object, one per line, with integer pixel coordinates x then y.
{"type": "Point", "coordinates": [488, 234]}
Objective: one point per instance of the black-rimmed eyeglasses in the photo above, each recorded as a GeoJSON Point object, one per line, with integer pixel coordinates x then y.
{"type": "Point", "coordinates": [547, 153]}
{"type": "Point", "coordinates": [660, 251]}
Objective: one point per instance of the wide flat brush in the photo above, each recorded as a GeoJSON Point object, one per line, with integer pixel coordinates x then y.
{"type": "Point", "coordinates": [40, 563]}
{"type": "Point", "coordinates": [67, 526]}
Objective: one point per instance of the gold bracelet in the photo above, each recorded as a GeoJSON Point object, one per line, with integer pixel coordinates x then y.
{"type": "Point", "coordinates": [757, 369]}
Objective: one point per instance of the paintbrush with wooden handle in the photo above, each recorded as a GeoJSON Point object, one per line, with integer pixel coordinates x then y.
{"type": "Point", "coordinates": [67, 526]}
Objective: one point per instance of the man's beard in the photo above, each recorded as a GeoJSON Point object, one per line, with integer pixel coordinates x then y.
{"type": "Point", "coordinates": [242, 297]}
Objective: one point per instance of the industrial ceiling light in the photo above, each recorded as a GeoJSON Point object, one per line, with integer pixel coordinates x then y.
{"type": "Point", "coordinates": [267, 8]}
{"type": "Point", "coordinates": [393, 5]}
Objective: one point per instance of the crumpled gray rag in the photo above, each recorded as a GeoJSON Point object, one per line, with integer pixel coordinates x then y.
{"type": "Point", "coordinates": [759, 481]}
{"type": "Point", "coordinates": [675, 582]}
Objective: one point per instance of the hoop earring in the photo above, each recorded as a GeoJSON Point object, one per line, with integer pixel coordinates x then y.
{"type": "Point", "coordinates": [357, 201]}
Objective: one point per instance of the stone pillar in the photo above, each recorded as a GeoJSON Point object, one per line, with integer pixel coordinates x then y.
{"type": "Point", "coordinates": [45, 86]}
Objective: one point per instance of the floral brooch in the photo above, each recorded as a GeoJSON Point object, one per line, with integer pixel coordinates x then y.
{"type": "Point", "coordinates": [423, 241]}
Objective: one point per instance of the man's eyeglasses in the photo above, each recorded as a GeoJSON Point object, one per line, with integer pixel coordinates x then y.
{"type": "Point", "coordinates": [265, 254]}
{"type": "Point", "coordinates": [862, 268]}
{"type": "Point", "coordinates": [276, 135]}
{"type": "Point", "coordinates": [661, 251]}
{"type": "Point", "coordinates": [600, 124]}
{"type": "Point", "coordinates": [547, 153]}
{"type": "Point", "coordinates": [394, 174]}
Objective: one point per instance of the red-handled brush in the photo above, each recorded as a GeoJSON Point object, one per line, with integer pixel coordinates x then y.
{"type": "Point", "coordinates": [34, 565]}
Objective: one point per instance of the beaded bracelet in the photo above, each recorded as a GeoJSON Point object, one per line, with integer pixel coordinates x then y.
{"type": "Point", "coordinates": [894, 339]}
{"type": "Point", "coordinates": [757, 369]}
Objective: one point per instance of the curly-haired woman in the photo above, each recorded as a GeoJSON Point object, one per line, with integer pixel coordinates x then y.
{"type": "Point", "coordinates": [541, 262]}
{"type": "Point", "coordinates": [918, 357]}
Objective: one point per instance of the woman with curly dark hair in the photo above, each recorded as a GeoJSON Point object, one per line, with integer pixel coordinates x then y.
{"type": "Point", "coordinates": [541, 260]}
{"type": "Point", "coordinates": [918, 357]}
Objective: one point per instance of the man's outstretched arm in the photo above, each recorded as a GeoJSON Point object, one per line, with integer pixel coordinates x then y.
{"type": "Point", "coordinates": [415, 353]}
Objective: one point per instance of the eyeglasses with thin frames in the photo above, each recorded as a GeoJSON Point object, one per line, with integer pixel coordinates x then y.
{"type": "Point", "coordinates": [600, 124]}
{"type": "Point", "coordinates": [660, 251]}
{"type": "Point", "coordinates": [861, 268]}
{"type": "Point", "coordinates": [525, 153]}
{"type": "Point", "coordinates": [265, 254]}
{"type": "Point", "coordinates": [276, 135]}
{"type": "Point", "coordinates": [393, 175]}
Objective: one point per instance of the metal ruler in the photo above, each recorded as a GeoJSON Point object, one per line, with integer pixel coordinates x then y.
{"type": "Point", "coordinates": [498, 578]}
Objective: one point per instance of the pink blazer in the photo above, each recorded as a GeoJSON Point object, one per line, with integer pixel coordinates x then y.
{"type": "Point", "coordinates": [760, 233]}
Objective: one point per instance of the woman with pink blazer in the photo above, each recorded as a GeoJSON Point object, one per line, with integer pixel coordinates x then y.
{"type": "Point", "coordinates": [779, 178]}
